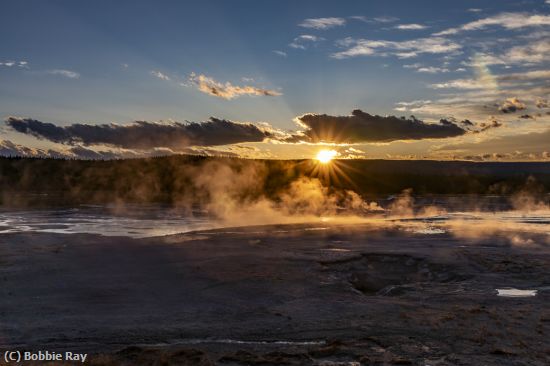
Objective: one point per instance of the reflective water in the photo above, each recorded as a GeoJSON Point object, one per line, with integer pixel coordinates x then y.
{"type": "Point", "coordinates": [154, 220]}
{"type": "Point", "coordinates": [514, 292]}
{"type": "Point", "coordinates": [133, 220]}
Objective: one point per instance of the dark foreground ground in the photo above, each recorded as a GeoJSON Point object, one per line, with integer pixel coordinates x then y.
{"type": "Point", "coordinates": [278, 295]}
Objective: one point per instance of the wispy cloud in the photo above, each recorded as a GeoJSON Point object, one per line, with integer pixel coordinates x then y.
{"type": "Point", "coordinates": [379, 19]}
{"type": "Point", "coordinates": [227, 90]}
{"type": "Point", "coordinates": [160, 75]}
{"type": "Point", "coordinates": [534, 52]}
{"type": "Point", "coordinates": [65, 73]}
{"type": "Point", "coordinates": [404, 106]}
{"type": "Point", "coordinates": [412, 66]}
{"type": "Point", "coordinates": [302, 41]}
{"type": "Point", "coordinates": [426, 69]}
{"type": "Point", "coordinates": [322, 23]}
{"type": "Point", "coordinates": [280, 53]}
{"type": "Point", "coordinates": [361, 18]}
{"type": "Point", "coordinates": [21, 64]}
{"type": "Point", "coordinates": [413, 26]}
{"type": "Point", "coordinates": [385, 19]}
{"type": "Point", "coordinates": [432, 69]}
{"type": "Point", "coordinates": [480, 83]}
{"type": "Point", "coordinates": [403, 49]}
{"type": "Point", "coordinates": [506, 20]}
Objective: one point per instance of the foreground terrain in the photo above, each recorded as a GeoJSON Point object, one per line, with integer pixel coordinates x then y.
{"type": "Point", "coordinates": [293, 295]}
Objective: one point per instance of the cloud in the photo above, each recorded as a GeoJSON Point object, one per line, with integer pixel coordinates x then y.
{"type": "Point", "coordinates": [380, 19]}
{"type": "Point", "coordinates": [541, 102]}
{"type": "Point", "coordinates": [459, 84]}
{"type": "Point", "coordinates": [506, 20]}
{"type": "Point", "coordinates": [475, 10]}
{"type": "Point", "coordinates": [426, 69]}
{"type": "Point", "coordinates": [227, 90]}
{"type": "Point", "coordinates": [481, 82]}
{"type": "Point", "coordinates": [412, 26]}
{"type": "Point", "coordinates": [404, 106]}
{"type": "Point", "coordinates": [66, 73]}
{"type": "Point", "coordinates": [484, 126]}
{"type": "Point", "coordinates": [160, 75]}
{"type": "Point", "coordinates": [511, 105]}
{"type": "Point", "coordinates": [10, 149]}
{"type": "Point", "coordinates": [361, 18]}
{"type": "Point", "coordinates": [142, 134]}
{"type": "Point", "coordinates": [403, 49]}
{"type": "Point", "coordinates": [322, 23]}
{"type": "Point", "coordinates": [21, 64]}
{"type": "Point", "coordinates": [280, 53]}
{"type": "Point", "coordinates": [515, 146]}
{"type": "Point", "coordinates": [432, 70]}
{"type": "Point", "coordinates": [81, 152]}
{"type": "Point", "coordinates": [302, 41]}
{"type": "Point", "coordinates": [534, 52]}
{"type": "Point", "coordinates": [385, 19]}
{"type": "Point", "coordinates": [361, 127]}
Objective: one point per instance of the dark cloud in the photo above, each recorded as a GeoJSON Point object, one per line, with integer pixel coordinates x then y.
{"type": "Point", "coordinates": [362, 127]}
{"type": "Point", "coordinates": [542, 103]}
{"type": "Point", "coordinates": [484, 126]}
{"type": "Point", "coordinates": [511, 105]}
{"type": "Point", "coordinates": [142, 134]}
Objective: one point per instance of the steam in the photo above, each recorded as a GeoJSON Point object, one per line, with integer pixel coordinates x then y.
{"type": "Point", "coordinates": [238, 192]}
{"type": "Point", "coordinates": [530, 198]}
{"type": "Point", "coordinates": [235, 195]}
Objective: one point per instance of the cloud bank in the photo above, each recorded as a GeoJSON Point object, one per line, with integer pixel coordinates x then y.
{"type": "Point", "coordinates": [361, 127]}
{"type": "Point", "coordinates": [142, 134]}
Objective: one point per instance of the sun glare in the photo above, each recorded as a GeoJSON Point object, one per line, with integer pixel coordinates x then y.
{"type": "Point", "coordinates": [325, 156]}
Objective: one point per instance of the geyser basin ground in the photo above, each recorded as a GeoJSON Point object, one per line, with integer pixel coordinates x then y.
{"type": "Point", "coordinates": [294, 294]}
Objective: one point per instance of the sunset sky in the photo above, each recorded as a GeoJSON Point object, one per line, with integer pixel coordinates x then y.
{"type": "Point", "coordinates": [276, 79]}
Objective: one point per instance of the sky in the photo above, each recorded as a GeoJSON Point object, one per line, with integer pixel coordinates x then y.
{"type": "Point", "coordinates": [276, 79]}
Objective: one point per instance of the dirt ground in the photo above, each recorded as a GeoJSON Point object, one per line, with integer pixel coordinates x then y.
{"type": "Point", "coordinates": [276, 295]}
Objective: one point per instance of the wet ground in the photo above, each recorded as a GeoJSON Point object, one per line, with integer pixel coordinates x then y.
{"type": "Point", "coordinates": [296, 295]}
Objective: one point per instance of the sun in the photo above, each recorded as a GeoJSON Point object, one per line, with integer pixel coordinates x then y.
{"type": "Point", "coordinates": [325, 156]}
